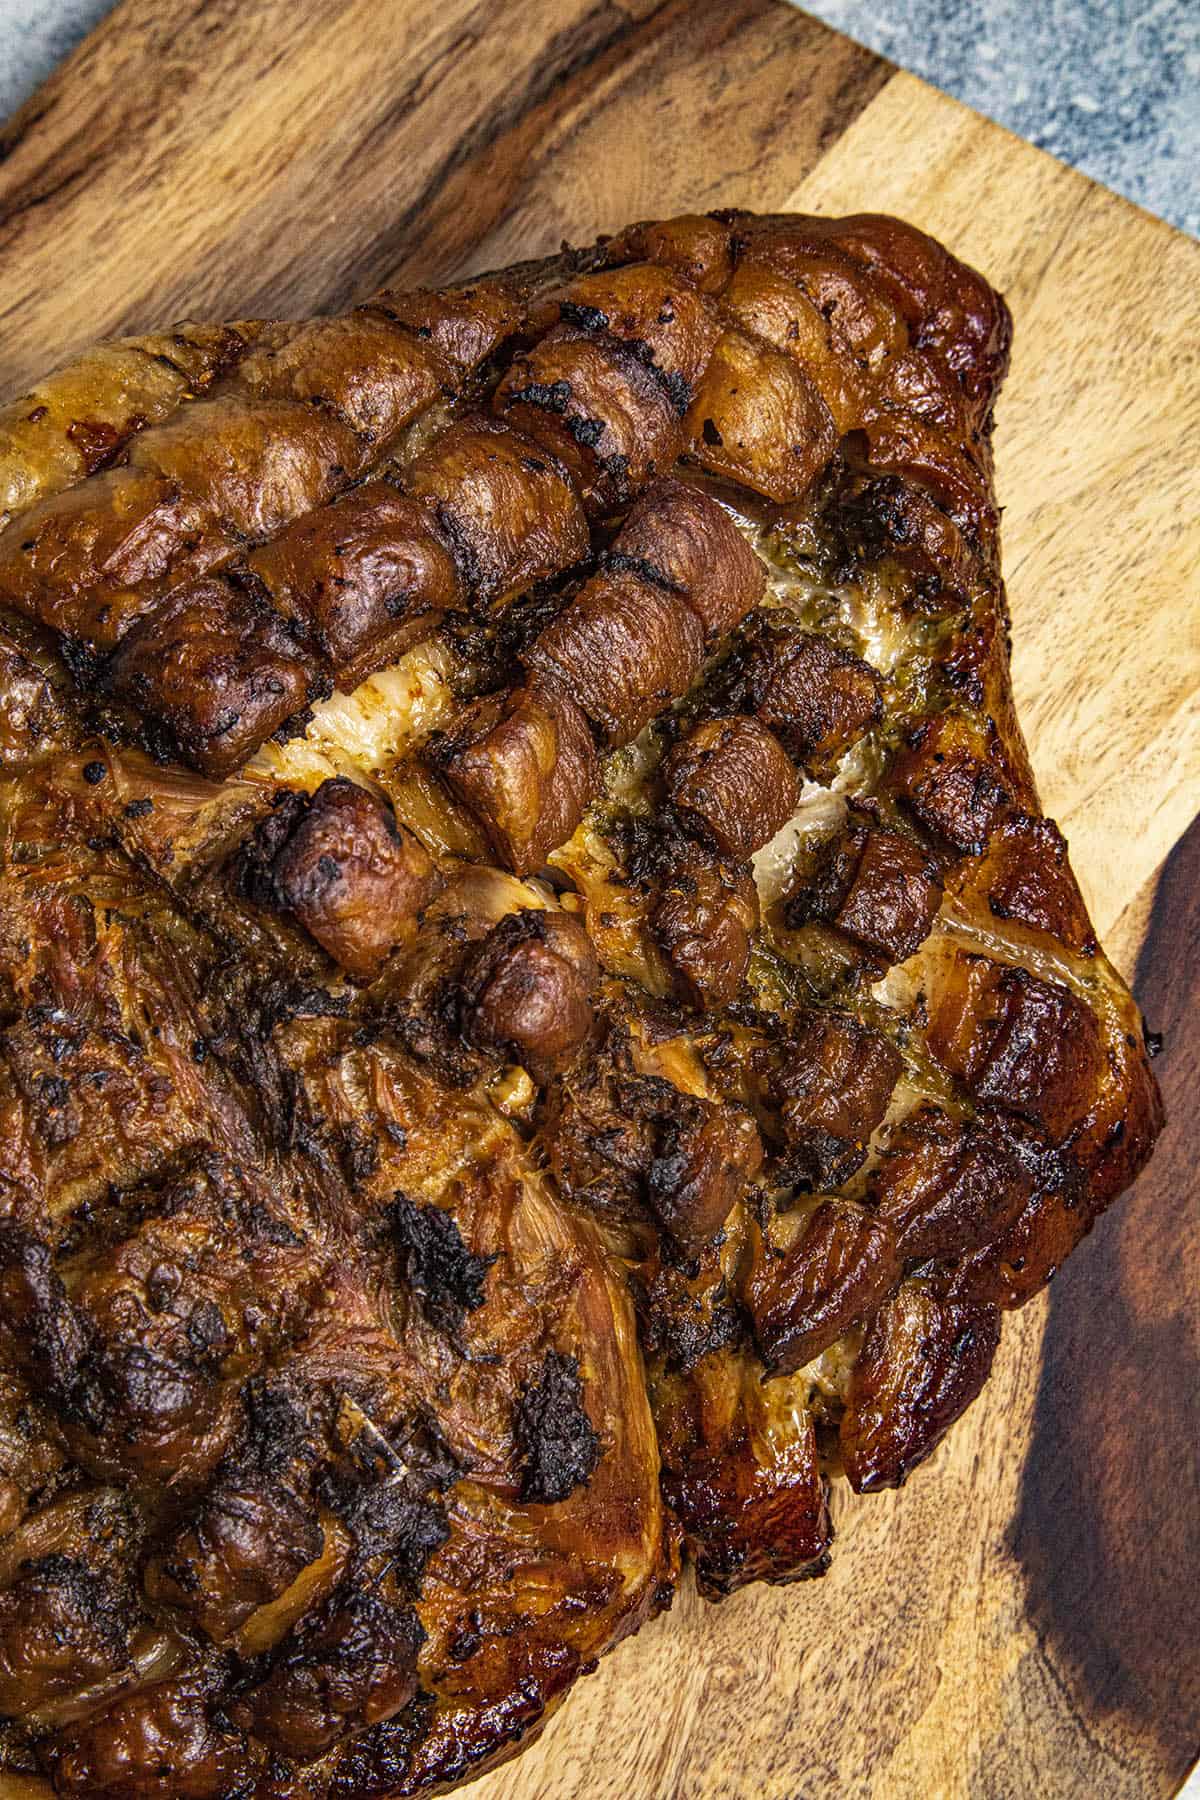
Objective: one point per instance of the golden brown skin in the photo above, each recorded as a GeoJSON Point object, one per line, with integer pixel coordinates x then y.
{"type": "Point", "coordinates": [702, 919]}
{"type": "Point", "coordinates": [758, 420]}
{"type": "Point", "coordinates": [349, 872]}
{"type": "Point", "coordinates": [528, 991]}
{"type": "Point", "coordinates": [361, 577]}
{"type": "Point", "coordinates": [742, 1471]}
{"type": "Point", "coordinates": [84, 414]}
{"type": "Point", "coordinates": [804, 1297]}
{"type": "Point", "coordinates": [733, 783]}
{"type": "Point", "coordinates": [921, 1364]}
{"type": "Point", "coordinates": [218, 669]}
{"type": "Point", "coordinates": [508, 511]}
{"type": "Point", "coordinates": [525, 765]}
{"type": "Point", "coordinates": [540, 1018]}
{"type": "Point", "coordinates": [633, 639]}
{"type": "Point", "coordinates": [606, 415]}
{"type": "Point", "coordinates": [876, 886]}
{"type": "Point", "coordinates": [817, 697]}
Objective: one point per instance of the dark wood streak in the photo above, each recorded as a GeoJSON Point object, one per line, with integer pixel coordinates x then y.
{"type": "Point", "coordinates": [31, 201]}
{"type": "Point", "coordinates": [223, 161]}
{"type": "Point", "coordinates": [22, 123]}
{"type": "Point", "coordinates": [483, 167]}
{"type": "Point", "coordinates": [1108, 1531]}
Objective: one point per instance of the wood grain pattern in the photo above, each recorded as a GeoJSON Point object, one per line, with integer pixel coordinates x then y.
{"type": "Point", "coordinates": [286, 158]}
{"type": "Point", "coordinates": [1021, 1619]}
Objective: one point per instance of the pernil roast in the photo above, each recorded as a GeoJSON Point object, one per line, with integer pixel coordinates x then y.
{"type": "Point", "coordinates": [542, 1021]}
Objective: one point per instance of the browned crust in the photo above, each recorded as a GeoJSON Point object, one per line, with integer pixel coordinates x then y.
{"type": "Point", "coordinates": [349, 1123]}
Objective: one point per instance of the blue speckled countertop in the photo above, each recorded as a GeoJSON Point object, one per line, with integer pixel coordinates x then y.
{"type": "Point", "coordinates": [1112, 86]}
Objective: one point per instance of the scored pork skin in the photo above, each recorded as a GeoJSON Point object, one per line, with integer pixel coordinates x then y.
{"type": "Point", "coordinates": [542, 1017]}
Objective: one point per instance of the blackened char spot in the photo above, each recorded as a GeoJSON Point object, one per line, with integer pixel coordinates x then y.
{"type": "Point", "coordinates": [389, 1518]}
{"type": "Point", "coordinates": [619, 562]}
{"type": "Point", "coordinates": [274, 1001]}
{"type": "Point", "coordinates": [359, 1155]}
{"type": "Point", "coordinates": [83, 663]}
{"type": "Point", "coordinates": [254, 866]}
{"type": "Point", "coordinates": [206, 1331]}
{"type": "Point", "coordinates": [586, 318]}
{"type": "Point", "coordinates": [617, 469]}
{"type": "Point", "coordinates": [557, 1441]}
{"type": "Point", "coordinates": [683, 1331]}
{"type": "Point", "coordinates": [437, 1264]}
{"type": "Point", "coordinates": [272, 1230]}
{"type": "Point", "coordinates": [55, 1340]}
{"type": "Point", "coordinates": [553, 396]}
{"type": "Point", "coordinates": [586, 432]}
{"type": "Point", "coordinates": [379, 1759]}
{"type": "Point", "coordinates": [279, 1428]}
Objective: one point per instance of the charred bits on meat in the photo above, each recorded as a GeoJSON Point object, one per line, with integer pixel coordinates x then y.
{"type": "Point", "coordinates": [556, 1441]}
{"type": "Point", "coordinates": [447, 1278]}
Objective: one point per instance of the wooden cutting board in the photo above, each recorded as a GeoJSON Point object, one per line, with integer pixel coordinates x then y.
{"type": "Point", "coordinates": [1021, 1620]}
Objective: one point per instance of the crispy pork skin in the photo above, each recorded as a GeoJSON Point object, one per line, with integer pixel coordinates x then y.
{"type": "Point", "coordinates": [635, 1146]}
{"type": "Point", "coordinates": [359, 577]}
{"type": "Point", "coordinates": [218, 669]}
{"type": "Point", "coordinates": [877, 887]}
{"type": "Point", "coordinates": [733, 783]}
{"type": "Point", "coordinates": [946, 1185]}
{"type": "Point", "coordinates": [541, 1020]}
{"type": "Point", "coordinates": [525, 765]}
{"type": "Point", "coordinates": [345, 867]}
{"type": "Point", "coordinates": [82, 416]}
{"type": "Point", "coordinates": [805, 1295]}
{"type": "Point", "coordinates": [922, 1363]}
{"type": "Point", "coordinates": [681, 539]}
{"type": "Point", "coordinates": [507, 509]}
{"type": "Point", "coordinates": [759, 420]}
{"type": "Point", "coordinates": [816, 697]}
{"type": "Point", "coordinates": [529, 990]}
{"type": "Point", "coordinates": [702, 920]}
{"type": "Point", "coordinates": [634, 638]}
{"type": "Point", "coordinates": [602, 410]}
{"type": "Point", "coordinates": [829, 1084]}
{"type": "Point", "coordinates": [624, 648]}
